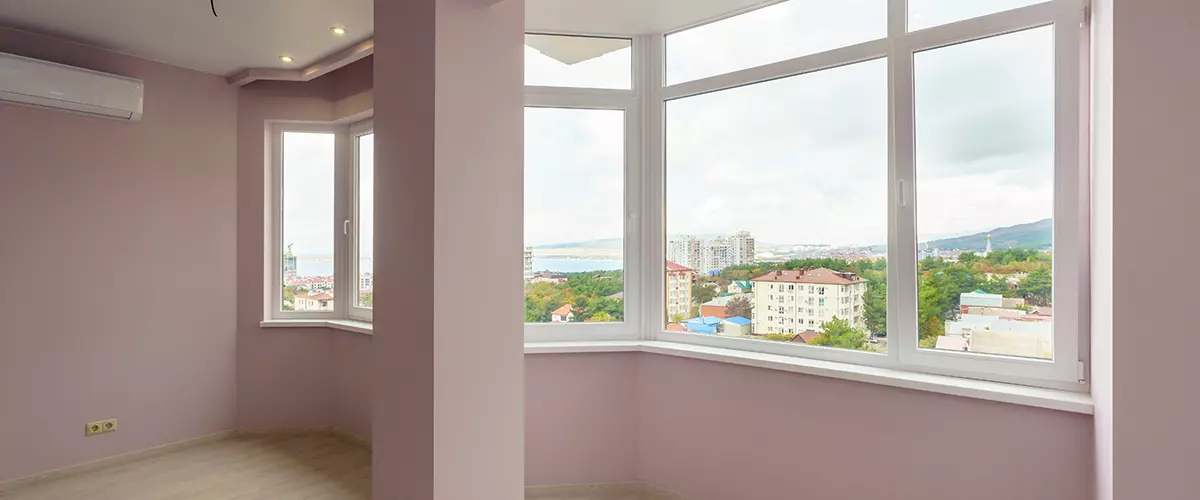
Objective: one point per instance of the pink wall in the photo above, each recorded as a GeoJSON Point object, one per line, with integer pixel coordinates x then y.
{"type": "Point", "coordinates": [350, 367]}
{"type": "Point", "coordinates": [283, 374]}
{"type": "Point", "coordinates": [1155, 174]}
{"type": "Point", "coordinates": [448, 150]}
{"type": "Point", "coordinates": [720, 432]}
{"type": "Point", "coordinates": [581, 418]}
{"type": "Point", "coordinates": [118, 262]}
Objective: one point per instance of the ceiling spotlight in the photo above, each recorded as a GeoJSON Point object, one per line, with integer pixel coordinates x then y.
{"type": "Point", "coordinates": [286, 59]}
{"type": "Point", "coordinates": [338, 30]}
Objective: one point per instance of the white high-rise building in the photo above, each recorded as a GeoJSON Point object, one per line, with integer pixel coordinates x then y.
{"type": "Point", "coordinates": [743, 248]}
{"type": "Point", "coordinates": [717, 254]}
{"type": "Point", "coordinates": [711, 255]}
{"type": "Point", "coordinates": [528, 263]}
{"type": "Point", "coordinates": [801, 300]}
{"type": "Point", "coordinates": [685, 251]}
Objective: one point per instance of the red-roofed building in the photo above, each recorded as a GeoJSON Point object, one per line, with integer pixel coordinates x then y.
{"type": "Point", "coordinates": [799, 300]}
{"type": "Point", "coordinates": [679, 290]}
{"type": "Point", "coordinates": [563, 314]}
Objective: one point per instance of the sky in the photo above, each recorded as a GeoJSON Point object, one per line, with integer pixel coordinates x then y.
{"type": "Point", "coordinates": [804, 159]}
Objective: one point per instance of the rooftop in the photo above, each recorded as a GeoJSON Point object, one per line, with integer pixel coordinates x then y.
{"type": "Point", "coordinates": [818, 276]}
{"type": "Point", "coordinates": [674, 268]}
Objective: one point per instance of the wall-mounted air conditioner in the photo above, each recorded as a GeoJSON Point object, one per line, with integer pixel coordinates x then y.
{"type": "Point", "coordinates": [40, 83]}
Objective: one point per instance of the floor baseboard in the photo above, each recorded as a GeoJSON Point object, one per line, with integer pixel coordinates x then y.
{"type": "Point", "coordinates": [604, 491]}
{"type": "Point", "coordinates": [114, 460]}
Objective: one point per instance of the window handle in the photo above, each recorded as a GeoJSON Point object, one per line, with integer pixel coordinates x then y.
{"type": "Point", "coordinates": [346, 227]}
{"type": "Point", "coordinates": [903, 193]}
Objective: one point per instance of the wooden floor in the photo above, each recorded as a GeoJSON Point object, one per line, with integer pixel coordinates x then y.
{"type": "Point", "coordinates": [276, 467]}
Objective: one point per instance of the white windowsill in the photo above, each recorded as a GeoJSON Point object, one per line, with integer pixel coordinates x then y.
{"type": "Point", "coordinates": [348, 325]}
{"type": "Point", "coordinates": [979, 389]}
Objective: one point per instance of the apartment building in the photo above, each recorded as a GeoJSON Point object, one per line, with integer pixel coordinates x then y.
{"type": "Point", "coordinates": [679, 289]}
{"type": "Point", "coordinates": [712, 255]}
{"type": "Point", "coordinates": [793, 301]}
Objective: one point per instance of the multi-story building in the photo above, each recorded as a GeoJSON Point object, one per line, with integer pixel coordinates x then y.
{"type": "Point", "coordinates": [800, 300]}
{"type": "Point", "coordinates": [289, 263]}
{"type": "Point", "coordinates": [743, 247]}
{"type": "Point", "coordinates": [679, 290]}
{"type": "Point", "coordinates": [717, 255]}
{"type": "Point", "coordinates": [686, 251]}
{"type": "Point", "coordinates": [708, 256]}
{"type": "Point", "coordinates": [366, 281]}
{"type": "Point", "coordinates": [528, 263]}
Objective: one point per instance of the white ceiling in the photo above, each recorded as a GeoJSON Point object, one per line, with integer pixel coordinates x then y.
{"type": "Point", "coordinates": [247, 33]}
{"type": "Point", "coordinates": [626, 17]}
{"type": "Point", "coordinates": [254, 33]}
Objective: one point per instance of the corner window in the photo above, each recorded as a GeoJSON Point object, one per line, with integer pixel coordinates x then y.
{"type": "Point", "coordinates": [919, 165]}
{"type": "Point", "coordinates": [321, 219]}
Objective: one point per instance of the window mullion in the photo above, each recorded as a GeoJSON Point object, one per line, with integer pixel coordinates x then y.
{"type": "Point", "coordinates": [654, 203]}
{"type": "Point", "coordinates": [902, 230]}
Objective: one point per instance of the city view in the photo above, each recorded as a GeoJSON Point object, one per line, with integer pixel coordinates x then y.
{"type": "Point", "coordinates": [777, 203]}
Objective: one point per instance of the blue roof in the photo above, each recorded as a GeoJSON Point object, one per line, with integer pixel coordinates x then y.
{"type": "Point", "coordinates": [705, 324]}
{"type": "Point", "coordinates": [705, 320]}
{"type": "Point", "coordinates": [738, 320]}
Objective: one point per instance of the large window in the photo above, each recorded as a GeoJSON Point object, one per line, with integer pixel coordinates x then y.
{"type": "Point", "coordinates": [887, 183]}
{"type": "Point", "coordinates": [580, 276]}
{"type": "Point", "coordinates": [309, 168]}
{"type": "Point", "coordinates": [322, 224]}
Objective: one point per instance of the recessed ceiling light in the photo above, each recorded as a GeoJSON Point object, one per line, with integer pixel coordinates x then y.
{"type": "Point", "coordinates": [286, 59]}
{"type": "Point", "coordinates": [338, 30]}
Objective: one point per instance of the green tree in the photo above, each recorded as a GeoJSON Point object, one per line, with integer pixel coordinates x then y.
{"type": "Point", "coordinates": [838, 333]}
{"type": "Point", "coordinates": [676, 318]}
{"type": "Point", "coordinates": [600, 317]}
{"type": "Point", "coordinates": [366, 299]}
{"type": "Point", "coordinates": [1036, 288]}
{"type": "Point", "coordinates": [740, 306]}
{"type": "Point", "coordinates": [702, 294]}
{"type": "Point", "coordinates": [968, 258]}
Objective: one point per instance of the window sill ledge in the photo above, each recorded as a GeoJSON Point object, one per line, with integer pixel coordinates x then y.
{"type": "Point", "coordinates": [362, 327]}
{"type": "Point", "coordinates": [979, 389]}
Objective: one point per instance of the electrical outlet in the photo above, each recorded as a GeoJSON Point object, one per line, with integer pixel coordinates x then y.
{"type": "Point", "coordinates": [100, 427]}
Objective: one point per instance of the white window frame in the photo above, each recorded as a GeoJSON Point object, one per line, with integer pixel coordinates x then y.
{"type": "Point", "coordinates": [628, 102]}
{"type": "Point", "coordinates": [1071, 192]}
{"type": "Point", "coordinates": [274, 214]}
{"type": "Point", "coordinates": [356, 312]}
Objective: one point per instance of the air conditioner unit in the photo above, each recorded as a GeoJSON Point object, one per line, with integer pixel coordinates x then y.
{"type": "Point", "coordinates": [46, 84]}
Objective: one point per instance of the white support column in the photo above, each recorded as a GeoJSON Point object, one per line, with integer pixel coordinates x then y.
{"type": "Point", "coordinates": [449, 403]}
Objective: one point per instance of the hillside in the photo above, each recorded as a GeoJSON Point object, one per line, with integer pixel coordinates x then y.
{"type": "Point", "coordinates": [1036, 235]}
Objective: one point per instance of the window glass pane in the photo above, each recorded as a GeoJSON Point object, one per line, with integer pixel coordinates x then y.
{"type": "Point", "coordinates": [578, 61]}
{"type": "Point", "coordinates": [777, 214]}
{"type": "Point", "coordinates": [366, 220]}
{"type": "Point", "coordinates": [771, 34]}
{"type": "Point", "coordinates": [928, 13]}
{"type": "Point", "coordinates": [574, 215]}
{"type": "Point", "coordinates": [985, 194]}
{"type": "Point", "coordinates": [308, 176]}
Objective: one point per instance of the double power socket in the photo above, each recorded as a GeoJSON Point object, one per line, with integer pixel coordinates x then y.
{"type": "Point", "coordinates": [100, 427]}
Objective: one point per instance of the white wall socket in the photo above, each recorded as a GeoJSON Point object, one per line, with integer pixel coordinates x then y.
{"type": "Point", "coordinates": [100, 427]}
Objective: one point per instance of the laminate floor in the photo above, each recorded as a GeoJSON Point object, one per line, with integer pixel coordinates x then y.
{"type": "Point", "coordinates": [243, 467]}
